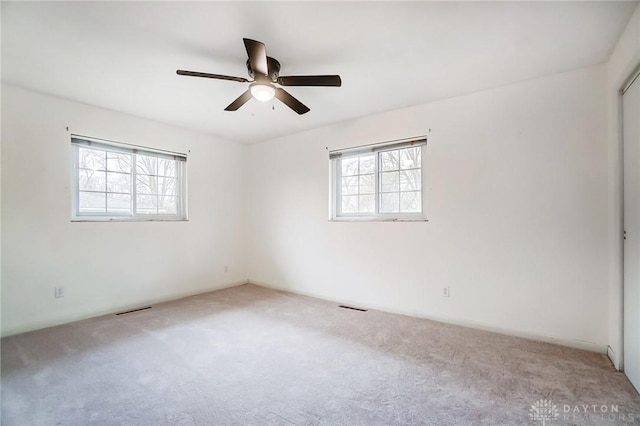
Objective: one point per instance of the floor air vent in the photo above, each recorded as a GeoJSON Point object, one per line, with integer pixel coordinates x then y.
{"type": "Point", "coordinates": [133, 310]}
{"type": "Point", "coordinates": [352, 308]}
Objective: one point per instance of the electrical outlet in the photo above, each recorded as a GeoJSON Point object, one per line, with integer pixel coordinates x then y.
{"type": "Point", "coordinates": [445, 291]}
{"type": "Point", "coordinates": [58, 292]}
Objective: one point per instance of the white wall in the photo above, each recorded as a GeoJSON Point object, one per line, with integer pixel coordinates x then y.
{"type": "Point", "coordinates": [106, 267]}
{"type": "Point", "coordinates": [625, 58]}
{"type": "Point", "coordinates": [517, 207]}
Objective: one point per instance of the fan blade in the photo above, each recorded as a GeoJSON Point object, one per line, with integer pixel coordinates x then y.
{"type": "Point", "coordinates": [291, 102]}
{"type": "Point", "coordinates": [242, 99]}
{"type": "Point", "coordinates": [311, 80]}
{"type": "Point", "coordinates": [217, 76]}
{"type": "Point", "coordinates": [257, 53]}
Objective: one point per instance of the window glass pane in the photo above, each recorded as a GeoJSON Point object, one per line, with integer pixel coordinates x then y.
{"type": "Point", "coordinates": [389, 181]}
{"type": "Point", "coordinates": [147, 204]}
{"type": "Point", "coordinates": [411, 158]}
{"type": "Point", "coordinates": [91, 180]}
{"type": "Point", "coordinates": [167, 205]}
{"type": "Point", "coordinates": [117, 162]}
{"type": "Point", "coordinates": [349, 204]}
{"type": "Point", "coordinates": [146, 165]}
{"type": "Point", "coordinates": [389, 160]}
{"type": "Point", "coordinates": [349, 166]}
{"type": "Point", "coordinates": [390, 203]}
{"type": "Point", "coordinates": [367, 184]}
{"type": "Point", "coordinates": [166, 167]}
{"type": "Point", "coordinates": [350, 185]}
{"type": "Point", "coordinates": [91, 158]}
{"type": "Point", "coordinates": [410, 180]}
{"type": "Point", "coordinates": [167, 186]}
{"type": "Point", "coordinates": [118, 182]}
{"type": "Point", "coordinates": [91, 202]}
{"type": "Point", "coordinates": [366, 204]}
{"type": "Point", "coordinates": [146, 184]}
{"type": "Point", "coordinates": [410, 202]}
{"type": "Point", "coordinates": [119, 203]}
{"type": "Point", "coordinates": [367, 164]}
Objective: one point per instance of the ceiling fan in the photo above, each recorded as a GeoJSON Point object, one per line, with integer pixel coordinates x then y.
{"type": "Point", "coordinates": [264, 70]}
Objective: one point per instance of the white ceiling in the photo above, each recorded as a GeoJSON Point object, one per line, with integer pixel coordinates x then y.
{"type": "Point", "coordinates": [123, 55]}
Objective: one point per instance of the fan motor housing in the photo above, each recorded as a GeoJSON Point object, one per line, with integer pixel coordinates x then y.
{"type": "Point", "coordinates": [274, 69]}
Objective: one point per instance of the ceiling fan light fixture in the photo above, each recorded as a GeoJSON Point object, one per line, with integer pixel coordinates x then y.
{"type": "Point", "coordinates": [263, 92]}
{"type": "Point", "coordinates": [265, 70]}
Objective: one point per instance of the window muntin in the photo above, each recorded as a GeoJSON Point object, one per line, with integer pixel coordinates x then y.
{"type": "Point", "coordinates": [358, 176]}
{"type": "Point", "coordinates": [120, 183]}
{"type": "Point", "coordinates": [379, 183]}
{"type": "Point", "coordinates": [401, 180]}
{"type": "Point", "coordinates": [156, 182]}
{"type": "Point", "coordinates": [104, 181]}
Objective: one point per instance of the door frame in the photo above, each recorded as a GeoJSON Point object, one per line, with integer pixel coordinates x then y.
{"type": "Point", "coordinates": [634, 76]}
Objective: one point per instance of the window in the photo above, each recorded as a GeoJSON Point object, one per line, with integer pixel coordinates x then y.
{"type": "Point", "coordinates": [119, 182]}
{"type": "Point", "coordinates": [378, 182]}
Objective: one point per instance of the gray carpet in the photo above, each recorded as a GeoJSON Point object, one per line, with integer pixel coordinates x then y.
{"type": "Point", "coordinates": [254, 356]}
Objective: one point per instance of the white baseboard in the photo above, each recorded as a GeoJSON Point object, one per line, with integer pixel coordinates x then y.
{"type": "Point", "coordinates": [578, 344]}
{"type": "Point", "coordinates": [588, 346]}
{"type": "Point", "coordinates": [38, 325]}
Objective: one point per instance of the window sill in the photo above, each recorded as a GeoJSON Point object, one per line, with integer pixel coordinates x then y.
{"type": "Point", "coordinates": [378, 219]}
{"type": "Point", "coordinates": [126, 219]}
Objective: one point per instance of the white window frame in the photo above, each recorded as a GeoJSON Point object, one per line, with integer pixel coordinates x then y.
{"type": "Point", "coordinates": [133, 150]}
{"type": "Point", "coordinates": [335, 195]}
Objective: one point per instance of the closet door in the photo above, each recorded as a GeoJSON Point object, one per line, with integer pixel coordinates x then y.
{"type": "Point", "coordinates": [631, 152]}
